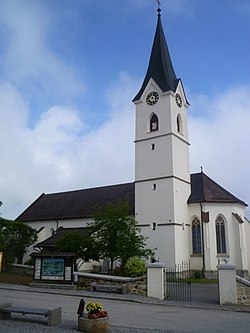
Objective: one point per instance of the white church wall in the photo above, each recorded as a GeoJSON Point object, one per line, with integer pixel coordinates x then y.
{"type": "Point", "coordinates": [181, 219]}
{"type": "Point", "coordinates": [48, 227]}
{"type": "Point", "coordinates": [209, 246]}
{"type": "Point", "coordinates": [149, 204]}
{"type": "Point", "coordinates": [236, 241]}
{"type": "Point", "coordinates": [181, 193]}
{"type": "Point", "coordinates": [196, 263]}
{"type": "Point", "coordinates": [175, 110]}
{"type": "Point", "coordinates": [180, 159]}
{"type": "Point", "coordinates": [247, 232]}
{"type": "Point", "coordinates": [196, 260]}
{"type": "Point", "coordinates": [152, 163]}
{"type": "Point", "coordinates": [243, 245]}
{"type": "Point", "coordinates": [211, 257]}
{"type": "Point", "coordinates": [236, 244]}
{"type": "Point", "coordinates": [51, 226]}
{"type": "Point", "coordinates": [161, 239]}
{"type": "Point", "coordinates": [144, 111]}
{"type": "Point", "coordinates": [245, 235]}
{"type": "Point", "coordinates": [166, 244]}
{"type": "Point", "coordinates": [233, 251]}
{"type": "Point", "coordinates": [182, 245]}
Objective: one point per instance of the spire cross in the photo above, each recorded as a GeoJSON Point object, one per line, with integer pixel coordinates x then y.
{"type": "Point", "coordinates": [159, 6]}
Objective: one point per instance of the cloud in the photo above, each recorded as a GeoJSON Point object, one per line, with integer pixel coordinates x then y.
{"type": "Point", "coordinates": [29, 57]}
{"type": "Point", "coordinates": [220, 140]}
{"type": "Point", "coordinates": [60, 152]}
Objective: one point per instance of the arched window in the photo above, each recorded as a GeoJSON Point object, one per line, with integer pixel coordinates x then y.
{"type": "Point", "coordinates": [179, 124]}
{"type": "Point", "coordinates": [196, 236]}
{"type": "Point", "coordinates": [154, 123]}
{"type": "Point", "coordinates": [220, 235]}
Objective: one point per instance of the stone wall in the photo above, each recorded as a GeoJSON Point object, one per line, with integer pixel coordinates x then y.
{"type": "Point", "coordinates": [243, 291]}
{"type": "Point", "coordinates": [21, 269]}
{"type": "Point", "coordinates": [136, 285]}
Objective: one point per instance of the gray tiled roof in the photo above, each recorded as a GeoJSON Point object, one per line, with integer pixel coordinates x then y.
{"type": "Point", "coordinates": [204, 189]}
{"type": "Point", "coordinates": [77, 204]}
{"type": "Point", "coordinates": [84, 203]}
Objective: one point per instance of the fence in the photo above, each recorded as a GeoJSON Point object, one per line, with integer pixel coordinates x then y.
{"type": "Point", "coordinates": [178, 284]}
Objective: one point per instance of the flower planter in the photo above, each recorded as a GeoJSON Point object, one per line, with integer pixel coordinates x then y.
{"type": "Point", "coordinates": [100, 325]}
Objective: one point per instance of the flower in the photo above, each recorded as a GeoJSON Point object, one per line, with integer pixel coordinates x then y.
{"type": "Point", "coordinates": [95, 311]}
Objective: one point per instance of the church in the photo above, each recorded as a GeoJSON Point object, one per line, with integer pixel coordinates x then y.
{"type": "Point", "coordinates": [185, 217]}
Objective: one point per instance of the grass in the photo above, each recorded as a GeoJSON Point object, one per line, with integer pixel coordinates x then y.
{"type": "Point", "coordinates": [15, 278]}
{"type": "Point", "coordinates": [26, 279]}
{"type": "Point", "coordinates": [200, 281]}
{"type": "Point", "coordinates": [204, 281]}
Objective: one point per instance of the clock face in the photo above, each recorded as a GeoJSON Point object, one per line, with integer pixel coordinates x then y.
{"type": "Point", "coordinates": [178, 100]}
{"type": "Point", "coordinates": [152, 98]}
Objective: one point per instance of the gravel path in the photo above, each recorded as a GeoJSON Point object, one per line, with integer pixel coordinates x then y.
{"type": "Point", "coordinates": [68, 326]}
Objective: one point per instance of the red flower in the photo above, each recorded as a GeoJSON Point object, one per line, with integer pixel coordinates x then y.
{"type": "Point", "coordinates": [101, 314]}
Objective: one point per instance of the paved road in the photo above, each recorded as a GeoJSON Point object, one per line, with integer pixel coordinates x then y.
{"type": "Point", "coordinates": [174, 319]}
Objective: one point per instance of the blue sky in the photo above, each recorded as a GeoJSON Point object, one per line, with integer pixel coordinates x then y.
{"type": "Point", "coordinates": [70, 68]}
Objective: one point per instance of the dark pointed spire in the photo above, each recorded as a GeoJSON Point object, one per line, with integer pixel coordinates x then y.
{"type": "Point", "coordinates": [160, 67]}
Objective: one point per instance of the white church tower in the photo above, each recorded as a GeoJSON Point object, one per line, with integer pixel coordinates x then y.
{"type": "Point", "coordinates": [162, 177]}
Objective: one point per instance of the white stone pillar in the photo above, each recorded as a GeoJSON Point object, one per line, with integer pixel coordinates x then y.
{"type": "Point", "coordinates": [156, 280]}
{"type": "Point", "coordinates": [227, 284]}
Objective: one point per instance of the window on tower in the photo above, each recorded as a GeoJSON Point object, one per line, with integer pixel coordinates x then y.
{"type": "Point", "coordinates": [179, 124]}
{"type": "Point", "coordinates": [154, 123]}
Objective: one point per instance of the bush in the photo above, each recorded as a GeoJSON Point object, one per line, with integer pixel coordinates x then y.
{"type": "Point", "coordinates": [29, 262]}
{"type": "Point", "coordinates": [135, 266]}
{"type": "Point", "coordinates": [197, 275]}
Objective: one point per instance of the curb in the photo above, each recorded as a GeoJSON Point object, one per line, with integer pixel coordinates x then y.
{"type": "Point", "coordinates": [126, 298]}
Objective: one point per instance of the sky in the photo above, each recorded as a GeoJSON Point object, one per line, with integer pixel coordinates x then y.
{"type": "Point", "coordinates": [69, 70]}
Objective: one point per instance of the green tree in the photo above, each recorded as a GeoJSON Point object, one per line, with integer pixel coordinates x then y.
{"type": "Point", "coordinates": [83, 246]}
{"type": "Point", "coordinates": [116, 235]}
{"type": "Point", "coordinates": [15, 237]}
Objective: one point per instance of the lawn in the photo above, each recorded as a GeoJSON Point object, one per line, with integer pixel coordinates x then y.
{"type": "Point", "coordinates": [26, 279]}
{"type": "Point", "coordinates": [15, 278]}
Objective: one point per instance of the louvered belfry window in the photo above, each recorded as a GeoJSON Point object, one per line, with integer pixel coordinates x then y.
{"type": "Point", "coordinates": [154, 123]}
